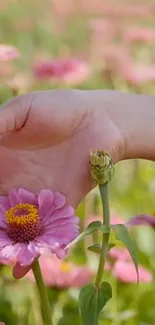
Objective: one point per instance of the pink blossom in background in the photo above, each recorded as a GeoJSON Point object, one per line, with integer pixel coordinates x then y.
{"type": "Point", "coordinates": [114, 219]}
{"type": "Point", "coordinates": [112, 9]}
{"type": "Point", "coordinates": [103, 27]}
{"type": "Point", "coordinates": [121, 254]}
{"type": "Point", "coordinates": [8, 53]}
{"type": "Point", "coordinates": [125, 272]}
{"type": "Point", "coordinates": [142, 219]}
{"type": "Point", "coordinates": [30, 223]}
{"type": "Point", "coordinates": [139, 34]}
{"type": "Point", "coordinates": [139, 74]}
{"type": "Point", "coordinates": [128, 10]}
{"type": "Point", "coordinates": [68, 71]}
{"type": "Point", "coordinates": [61, 274]}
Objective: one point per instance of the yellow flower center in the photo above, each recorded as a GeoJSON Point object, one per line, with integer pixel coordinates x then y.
{"type": "Point", "coordinates": [66, 267]}
{"type": "Point", "coordinates": [23, 222]}
{"type": "Point", "coordinates": [22, 214]}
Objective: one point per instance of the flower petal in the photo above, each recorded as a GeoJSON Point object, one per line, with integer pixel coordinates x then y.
{"type": "Point", "coordinates": [4, 239]}
{"type": "Point", "coordinates": [45, 200]}
{"type": "Point", "coordinates": [142, 219]}
{"type": "Point", "coordinates": [4, 202]}
{"type": "Point", "coordinates": [20, 271]}
{"type": "Point", "coordinates": [26, 196]}
{"type": "Point", "coordinates": [13, 197]}
{"type": "Point", "coordinates": [61, 222]}
{"type": "Point", "coordinates": [3, 222]}
{"type": "Point", "coordinates": [58, 202]}
{"type": "Point", "coordinates": [26, 255]}
{"type": "Point", "coordinates": [10, 251]}
{"type": "Point", "coordinates": [64, 212]}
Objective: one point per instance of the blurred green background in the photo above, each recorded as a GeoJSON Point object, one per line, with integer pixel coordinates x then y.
{"type": "Point", "coordinates": [85, 44]}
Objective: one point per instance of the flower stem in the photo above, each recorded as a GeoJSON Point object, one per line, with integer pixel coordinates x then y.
{"type": "Point", "coordinates": [45, 307]}
{"type": "Point", "coordinates": [105, 238]}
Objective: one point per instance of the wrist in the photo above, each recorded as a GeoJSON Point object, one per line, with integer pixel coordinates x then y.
{"type": "Point", "coordinates": [134, 117]}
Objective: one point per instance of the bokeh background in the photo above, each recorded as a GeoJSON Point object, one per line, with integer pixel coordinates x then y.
{"type": "Point", "coordinates": [86, 44]}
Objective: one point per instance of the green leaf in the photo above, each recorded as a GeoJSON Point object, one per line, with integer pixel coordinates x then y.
{"type": "Point", "coordinates": [122, 234]}
{"type": "Point", "coordinates": [93, 226]}
{"type": "Point", "coordinates": [96, 248]}
{"type": "Point", "coordinates": [110, 246]}
{"type": "Point", "coordinates": [92, 300]}
{"type": "Point", "coordinates": [113, 240]}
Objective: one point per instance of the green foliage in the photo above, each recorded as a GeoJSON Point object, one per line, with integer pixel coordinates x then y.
{"type": "Point", "coordinates": [92, 300]}
{"type": "Point", "coordinates": [93, 226]}
{"type": "Point", "coordinates": [123, 235]}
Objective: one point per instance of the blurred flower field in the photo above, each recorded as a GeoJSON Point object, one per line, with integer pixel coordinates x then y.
{"type": "Point", "coordinates": [87, 45]}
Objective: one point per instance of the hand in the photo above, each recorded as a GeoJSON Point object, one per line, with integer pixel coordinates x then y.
{"type": "Point", "coordinates": [46, 138]}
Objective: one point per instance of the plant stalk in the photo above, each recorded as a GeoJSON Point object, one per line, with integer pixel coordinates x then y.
{"type": "Point", "coordinates": [44, 303]}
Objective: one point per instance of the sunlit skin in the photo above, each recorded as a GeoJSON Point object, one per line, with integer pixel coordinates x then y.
{"type": "Point", "coordinates": [46, 137]}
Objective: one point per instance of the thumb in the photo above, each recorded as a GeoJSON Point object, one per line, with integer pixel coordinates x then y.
{"type": "Point", "coordinates": [13, 114]}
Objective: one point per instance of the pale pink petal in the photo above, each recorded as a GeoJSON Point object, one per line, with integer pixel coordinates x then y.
{"type": "Point", "coordinates": [63, 221]}
{"type": "Point", "coordinates": [10, 251]}
{"type": "Point", "coordinates": [26, 256]}
{"type": "Point", "coordinates": [4, 238]}
{"type": "Point", "coordinates": [60, 253]}
{"type": "Point", "coordinates": [58, 202]}
{"type": "Point", "coordinates": [26, 196]}
{"type": "Point", "coordinates": [119, 254]}
{"type": "Point", "coordinates": [13, 197]}
{"type": "Point", "coordinates": [45, 200]}
{"type": "Point", "coordinates": [47, 241]}
{"type": "Point", "coordinates": [4, 201]}
{"type": "Point", "coordinates": [125, 272]}
{"type": "Point", "coordinates": [8, 53]}
{"type": "Point", "coordinates": [64, 212]}
{"type": "Point", "coordinates": [3, 221]}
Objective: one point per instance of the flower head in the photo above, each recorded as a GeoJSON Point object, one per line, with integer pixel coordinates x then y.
{"type": "Point", "coordinates": [138, 34]}
{"type": "Point", "coordinates": [142, 219]}
{"type": "Point", "coordinates": [119, 253]}
{"type": "Point", "coordinates": [30, 223]}
{"type": "Point", "coordinates": [68, 71]}
{"type": "Point", "coordinates": [8, 53]}
{"type": "Point", "coordinates": [125, 272]}
{"type": "Point", "coordinates": [61, 274]}
{"type": "Point", "coordinates": [101, 166]}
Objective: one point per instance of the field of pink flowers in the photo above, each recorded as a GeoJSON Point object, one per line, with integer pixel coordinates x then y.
{"type": "Point", "coordinates": [85, 44]}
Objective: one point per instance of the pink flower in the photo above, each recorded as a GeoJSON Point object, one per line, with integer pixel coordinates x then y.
{"type": "Point", "coordinates": [8, 53]}
{"type": "Point", "coordinates": [62, 274]}
{"type": "Point", "coordinates": [142, 219]}
{"type": "Point", "coordinates": [120, 254]}
{"type": "Point", "coordinates": [68, 71]}
{"type": "Point", "coordinates": [30, 223]}
{"type": "Point", "coordinates": [125, 272]}
{"type": "Point", "coordinates": [114, 219]}
{"type": "Point", "coordinates": [139, 74]}
{"type": "Point", "coordinates": [137, 34]}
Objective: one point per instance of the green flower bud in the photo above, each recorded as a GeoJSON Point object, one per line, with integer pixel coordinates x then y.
{"type": "Point", "coordinates": [101, 166]}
